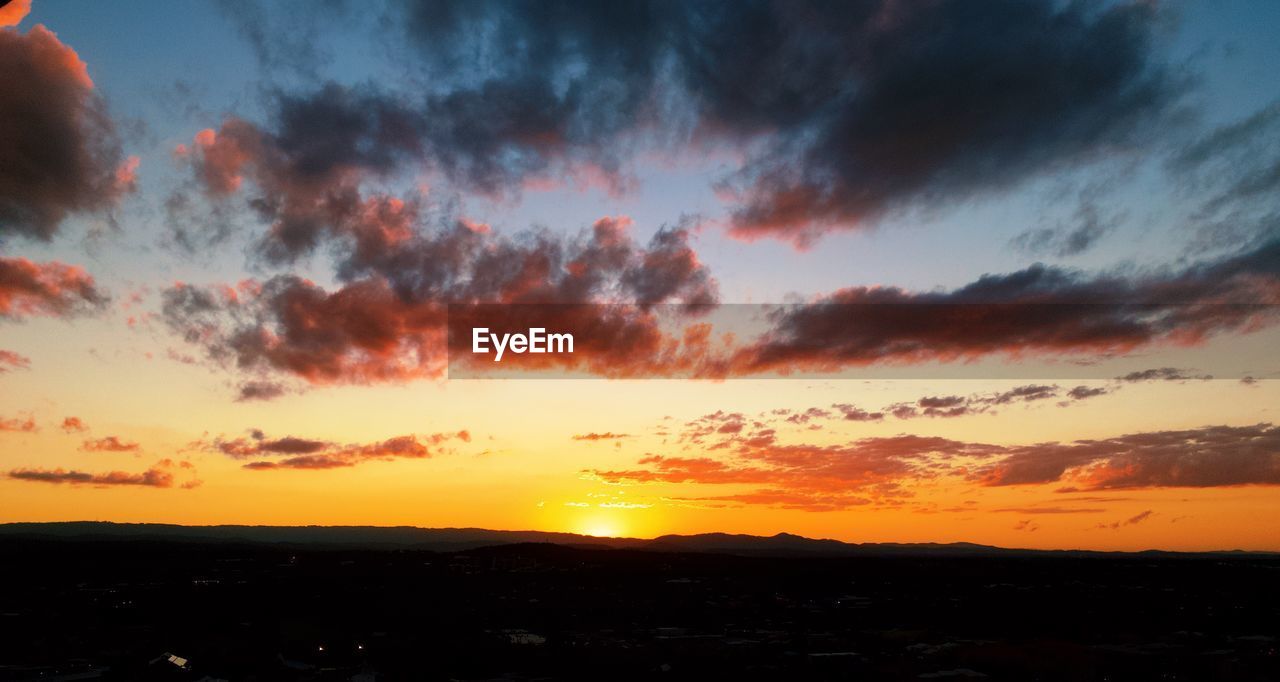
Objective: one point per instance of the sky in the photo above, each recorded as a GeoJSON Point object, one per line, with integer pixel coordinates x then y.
{"type": "Point", "coordinates": [878, 271]}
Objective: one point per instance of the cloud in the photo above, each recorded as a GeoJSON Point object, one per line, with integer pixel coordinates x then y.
{"type": "Point", "coordinates": [107, 444]}
{"type": "Point", "coordinates": [884, 470]}
{"type": "Point", "coordinates": [1025, 394]}
{"type": "Point", "coordinates": [387, 321]}
{"type": "Point", "coordinates": [18, 425]}
{"type": "Point", "coordinates": [260, 390]}
{"type": "Point", "coordinates": [259, 445]}
{"type": "Point", "coordinates": [720, 430]}
{"type": "Point", "coordinates": [1086, 392]}
{"type": "Point", "coordinates": [62, 156]}
{"type": "Point", "coordinates": [10, 361]}
{"type": "Point", "coordinates": [1233, 174]}
{"type": "Point", "coordinates": [287, 39]}
{"type": "Point", "coordinates": [868, 110]}
{"type": "Point", "coordinates": [1213, 456]}
{"type": "Point", "coordinates": [1163, 374]}
{"type": "Point", "coordinates": [52, 289]}
{"type": "Point", "coordinates": [1050, 510]}
{"type": "Point", "coordinates": [160, 475]}
{"type": "Point", "coordinates": [1069, 240]}
{"type": "Point", "coordinates": [963, 406]}
{"type": "Point", "coordinates": [881, 108]}
{"type": "Point", "coordinates": [301, 453]}
{"type": "Point", "coordinates": [74, 425]}
{"type": "Point", "coordinates": [1037, 311]}
{"type": "Point", "coordinates": [1131, 521]}
{"type": "Point", "coordinates": [607, 435]}
{"type": "Point", "coordinates": [807, 476]}
{"type": "Point", "coordinates": [12, 13]}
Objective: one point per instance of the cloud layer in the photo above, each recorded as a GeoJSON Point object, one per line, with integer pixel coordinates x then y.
{"type": "Point", "coordinates": [882, 470]}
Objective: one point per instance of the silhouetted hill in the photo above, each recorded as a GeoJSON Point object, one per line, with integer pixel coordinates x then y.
{"type": "Point", "coordinates": [354, 537]}
{"type": "Point", "coordinates": [461, 539]}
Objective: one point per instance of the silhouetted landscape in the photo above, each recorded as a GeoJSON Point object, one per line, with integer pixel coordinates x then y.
{"type": "Point", "coordinates": [140, 602]}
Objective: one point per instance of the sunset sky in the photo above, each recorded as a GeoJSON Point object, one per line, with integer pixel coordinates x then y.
{"type": "Point", "coordinates": [229, 234]}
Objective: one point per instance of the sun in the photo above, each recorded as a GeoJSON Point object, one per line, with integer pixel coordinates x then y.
{"type": "Point", "coordinates": [600, 528]}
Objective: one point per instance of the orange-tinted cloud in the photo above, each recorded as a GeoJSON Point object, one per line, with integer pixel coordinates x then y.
{"type": "Point", "coordinates": [10, 360]}
{"type": "Point", "coordinates": [74, 425]}
{"type": "Point", "coordinates": [12, 13]}
{"type": "Point", "coordinates": [52, 289]}
{"type": "Point", "coordinates": [19, 424]}
{"type": "Point", "coordinates": [883, 470]}
{"type": "Point", "coordinates": [62, 155]}
{"type": "Point", "coordinates": [107, 444]}
{"type": "Point", "coordinates": [387, 322]}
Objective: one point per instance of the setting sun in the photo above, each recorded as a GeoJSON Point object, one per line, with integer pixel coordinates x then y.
{"type": "Point", "coordinates": [601, 528]}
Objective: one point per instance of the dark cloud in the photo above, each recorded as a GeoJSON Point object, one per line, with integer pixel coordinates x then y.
{"type": "Point", "coordinates": [61, 152]}
{"type": "Point", "coordinates": [52, 289]}
{"type": "Point", "coordinates": [937, 406]}
{"type": "Point", "coordinates": [867, 106]}
{"type": "Point", "coordinates": [927, 103]}
{"type": "Point", "coordinates": [1131, 521]}
{"type": "Point", "coordinates": [260, 390]}
{"type": "Point", "coordinates": [1086, 392]}
{"type": "Point", "coordinates": [258, 445]}
{"type": "Point", "coordinates": [963, 406]}
{"type": "Point", "coordinates": [852, 109]}
{"type": "Point", "coordinates": [301, 453]}
{"type": "Point", "coordinates": [1024, 394]}
{"type": "Point", "coordinates": [1039, 310]}
{"type": "Point", "coordinates": [850, 413]}
{"type": "Point", "coordinates": [161, 475]}
{"type": "Point", "coordinates": [1163, 374]}
{"type": "Point", "coordinates": [814, 413]}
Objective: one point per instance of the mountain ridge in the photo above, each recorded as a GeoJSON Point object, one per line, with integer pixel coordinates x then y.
{"type": "Point", "coordinates": [463, 539]}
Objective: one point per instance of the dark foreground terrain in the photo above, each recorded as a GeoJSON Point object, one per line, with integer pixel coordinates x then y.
{"type": "Point", "coordinates": [118, 608]}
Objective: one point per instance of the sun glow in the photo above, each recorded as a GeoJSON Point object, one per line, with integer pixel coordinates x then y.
{"type": "Point", "coordinates": [600, 528]}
